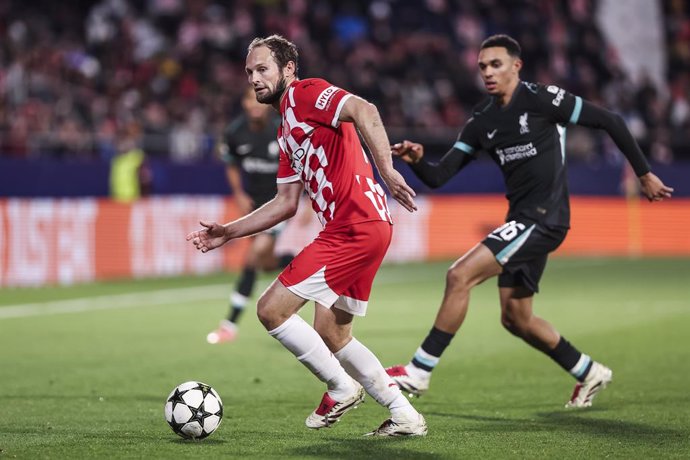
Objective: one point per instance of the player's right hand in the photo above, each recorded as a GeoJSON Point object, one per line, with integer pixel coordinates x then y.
{"type": "Point", "coordinates": [210, 237]}
{"type": "Point", "coordinates": [409, 152]}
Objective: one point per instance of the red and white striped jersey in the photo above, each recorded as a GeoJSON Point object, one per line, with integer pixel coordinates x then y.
{"type": "Point", "coordinates": [327, 156]}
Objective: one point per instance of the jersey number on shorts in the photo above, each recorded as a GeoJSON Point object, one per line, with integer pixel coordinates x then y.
{"type": "Point", "coordinates": [508, 231]}
{"type": "Point", "coordinates": [377, 198]}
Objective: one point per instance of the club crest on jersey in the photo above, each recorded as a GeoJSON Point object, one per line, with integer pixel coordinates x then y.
{"type": "Point", "coordinates": [325, 97]}
{"type": "Point", "coordinates": [524, 127]}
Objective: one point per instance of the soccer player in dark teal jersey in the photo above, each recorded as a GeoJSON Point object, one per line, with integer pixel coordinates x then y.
{"type": "Point", "coordinates": [522, 126]}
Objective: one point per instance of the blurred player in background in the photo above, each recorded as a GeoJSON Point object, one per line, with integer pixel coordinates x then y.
{"type": "Point", "coordinates": [522, 127]}
{"type": "Point", "coordinates": [250, 151]}
{"type": "Point", "coordinates": [320, 152]}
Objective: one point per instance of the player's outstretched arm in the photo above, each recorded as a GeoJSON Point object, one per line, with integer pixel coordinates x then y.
{"type": "Point", "coordinates": [594, 116]}
{"type": "Point", "coordinates": [432, 174]}
{"type": "Point", "coordinates": [368, 121]}
{"type": "Point", "coordinates": [283, 206]}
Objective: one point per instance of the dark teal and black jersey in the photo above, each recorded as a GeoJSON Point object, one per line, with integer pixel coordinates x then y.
{"type": "Point", "coordinates": [526, 139]}
{"type": "Point", "coordinates": [256, 154]}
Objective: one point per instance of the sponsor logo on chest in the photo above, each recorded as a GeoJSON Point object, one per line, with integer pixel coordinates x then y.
{"type": "Point", "coordinates": [516, 152]}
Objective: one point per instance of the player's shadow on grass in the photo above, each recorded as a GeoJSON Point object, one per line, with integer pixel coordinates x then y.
{"type": "Point", "coordinates": [623, 430]}
{"type": "Point", "coordinates": [567, 422]}
{"type": "Point", "coordinates": [201, 442]}
{"type": "Point", "coordinates": [361, 447]}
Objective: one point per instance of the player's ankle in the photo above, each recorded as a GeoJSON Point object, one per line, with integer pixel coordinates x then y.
{"type": "Point", "coordinates": [404, 413]}
{"type": "Point", "coordinates": [342, 390]}
{"type": "Point", "coordinates": [417, 372]}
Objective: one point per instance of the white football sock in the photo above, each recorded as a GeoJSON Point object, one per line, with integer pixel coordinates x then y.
{"type": "Point", "coordinates": [365, 367]}
{"type": "Point", "coordinates": [309, 348]}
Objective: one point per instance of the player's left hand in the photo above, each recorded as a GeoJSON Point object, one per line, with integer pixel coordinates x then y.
{"type": "Point", "coordinates": [210, 237]}
{"type": "Point", "coordinates": [653, 188]}
{"type": "Point", "coordinates": [399, 189]}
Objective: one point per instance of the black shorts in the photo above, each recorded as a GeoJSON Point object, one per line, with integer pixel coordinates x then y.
{"type": "Point", "coordinates": [522, 247]}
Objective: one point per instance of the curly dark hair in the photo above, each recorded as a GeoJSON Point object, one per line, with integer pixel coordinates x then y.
{"type": "Point", "coordinates": [282, 49]}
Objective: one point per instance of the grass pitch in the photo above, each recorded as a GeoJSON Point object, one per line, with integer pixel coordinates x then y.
{"type": "Point", "coordinates": [84, 371]}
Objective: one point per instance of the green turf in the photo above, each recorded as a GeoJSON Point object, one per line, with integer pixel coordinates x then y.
{"type": "Point", "coordinates": [91, 384]}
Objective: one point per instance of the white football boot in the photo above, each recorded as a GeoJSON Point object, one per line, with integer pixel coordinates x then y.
{"type": "Point", "coordinates": [598, 378]}
{"type": "Point", "coordinates": [330, 410]}
{"type": "Point", "coordinates": [408, 382]}
{"type": "Point", "coordinates": [225, 333]}
{"type": "Point", "coordinates": [401, 427]}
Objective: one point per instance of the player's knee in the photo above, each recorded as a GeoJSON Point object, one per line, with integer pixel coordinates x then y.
{"type": "Point", "coordinates": [262, 312]}
{"type": "Point", "coordinates": [513, 323]}
{"type": "Point", "coordinates": [332, 341]}
{"type": "Point", "coordinates": [332, 337]}
{"type": "Point", "coordinates": [508, 323]}
{"type": "Point", "coordinates": [265, 261]}
{"type": "Point", "coordinates": [269, 317]}
{"type": "Point", "coordinates": [457, 279]}
{"type": "Point", "coordinates": [250, 258]}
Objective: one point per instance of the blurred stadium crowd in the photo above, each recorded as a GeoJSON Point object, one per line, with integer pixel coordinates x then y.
{"type": "Point", "coordinates": [86, 79]}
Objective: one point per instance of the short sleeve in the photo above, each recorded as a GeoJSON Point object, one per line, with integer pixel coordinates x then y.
{"type": "Point", "coordinates": [285, 172]}
{"type": "Point", "coordinates": [317, 101]}
{"type": "Point", "coordinates": [559, 105]}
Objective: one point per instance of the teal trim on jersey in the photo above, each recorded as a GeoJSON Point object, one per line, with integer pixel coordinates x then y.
{"type": "Point", "coordinates": [533, 87]}
{"type": "Point", "coordinates": [509, 250]}
{"type": "Point", "coordinates": [575, 116]}
{"type": "Point", "coordinates": [464, 147]}
{"type": "Point", "coordinates": [426, 361]}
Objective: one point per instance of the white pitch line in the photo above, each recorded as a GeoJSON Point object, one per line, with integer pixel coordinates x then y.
{"type": "Point", "coordinates": [139, 299]}
{"type": "Point", "coordinates": [173, 296]}
{"type": "Point", "coordinates": [114, 301]}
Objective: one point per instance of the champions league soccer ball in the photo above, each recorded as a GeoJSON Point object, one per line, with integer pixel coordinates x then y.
{"type": "Point", "coordinates": [193, 410]}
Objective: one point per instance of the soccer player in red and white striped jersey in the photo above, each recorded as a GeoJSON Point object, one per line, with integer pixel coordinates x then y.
{"type": "Point", "coordinates": [320, 153]}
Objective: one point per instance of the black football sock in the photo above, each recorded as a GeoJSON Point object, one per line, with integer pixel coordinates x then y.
{"type": "Point", "coordinates": [569, 358]}
{"type": "Point", "coordinates": [235, 314]}
{"type": "Point", "coordinates": [245, 286]}
{"type": "Point", "coordinates": [238, 299]}
{"type": "Point", "coordinates": [429, 354]}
